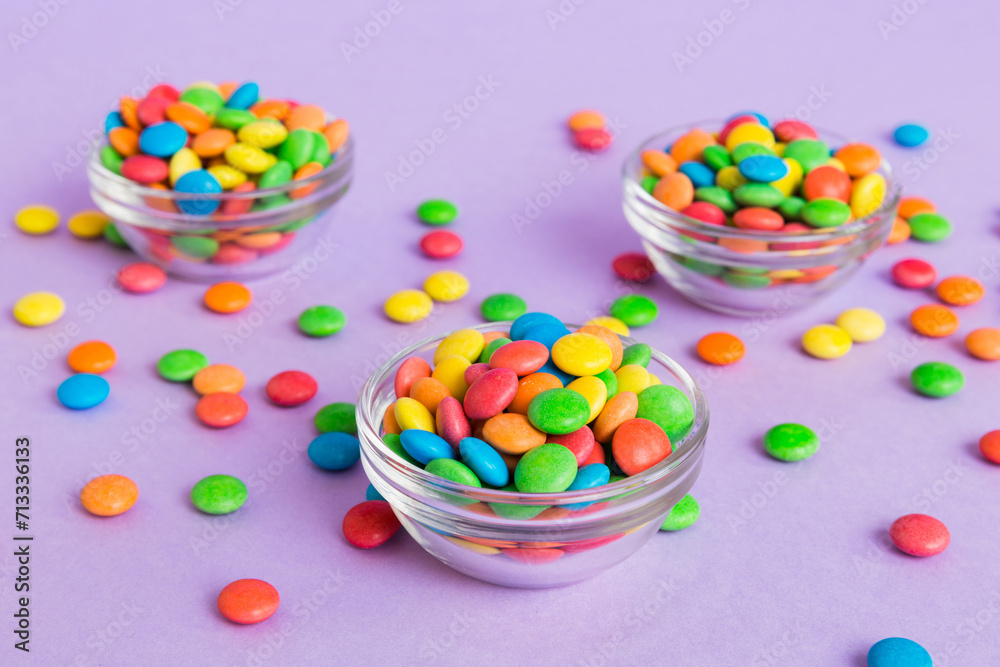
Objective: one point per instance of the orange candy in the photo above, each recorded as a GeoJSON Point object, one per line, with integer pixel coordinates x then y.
{"type": "Point", "coordinates": [511, 433]}
{"type": "Point", "coordinates": [690, 146]}
{"type": "Point", "coordinates": [259, 240]}
{"type": "Point", "coordinates": [188, 116]}
{"type": "Point", "coordinates": [619, 409]}
{"type": "Point", "coordinates": [638, 445]}
{"type": "Point", "coordinates": [490, 336]}
{"type": "Point", "coordinates": [900, 231]}
{"type": "Point", "coordinates": [277, 109]}
{"type": "Point", "coordinates": [248, 601]}
{"type": "Point", "coordinates": [213, 142]}
{"type": "Point", "coordinates": [989, 445]}
{"type": "Point", "coordinates": [609, 337]}
{"type": "Point", "coordinates": [227, 88]}
{"type": "Point", "coordinates": [658, 163]}
{"type": "Point", "coordinates": [93, 356]}
{"type": "Point", "coordinates": [827, 182]}
{"type": "Point", "coordinates": [219, 378]}
{"type": "Point", "coordinates": [221, 410]}
{"type": "Point", "coordinates": [336, 134]}
{"type": "Point", "coordinates": [721, 348]}
{"type": "Point", "coordinates": [429, 393]}
{"type": "Point", "coordinates": [389, 423]}
{"type": "Point", "coordinates": [306, 116]}
{"type": "Point", "coordinates": [125, 140]}
{"type": "Point", "coordinates": [960, 290]}
{"type": "Point", "coordinates": [109, 495]}
{"type": "Point", "coordinates": [858, 159]}
{"type": "Point", "coordinates": [530, 386]}
{"type": "Point", "coordinates": [674, 190]}
{"type": "Point", "coordinates": [228, 297]}
{"type": "Point", "coordinates": [128, 108]}
{"type": "Point", "coordinates": [304, 172]}
{"type": "Point", "coordinates": [934, 321]}
{"type": "Point", "coordinates": [911, 206]}
{"type": "Point", "coordinates": [745, 246]}
{"type": "Point", "coordinates": [588, 119]}
{"type": "Point", "coordinates": [984, 343]}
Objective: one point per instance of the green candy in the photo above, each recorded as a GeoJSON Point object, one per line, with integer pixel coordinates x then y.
{"type": "Point", "coordinates": [321, 150]}
{"type": "Point", "coordinates": [278, 174]}
{"type": "Point", "coordinates": [716, 157]}
{"type": "Point", "coordinates": [745, 280]}
{"type": "Point", "coordinates": [810, 153]}
{"type": "Point", "coordinates": [937, 379]}
{"type": "Point", "coordinates": [635, 310]}
{"type": "Point", "coordinates": [749, 270]}
{"type": "Point", "coordinates": [491, 347]}
{"type": "Point", "coordinates": [395, 445]}
{"type": "Point", "coordinates": [294, 225]}
{"type": "Point", "coordinates": [219, 494]}
{"type": "Point", "coordinates": [502, 307]}
{"type": "Point", "coordinates": [648, 183]}
{"type": "Point", "coordinates": [436, 212]}
{"type": "Point", "coordinates": [610, 381]}
{"type": "Point", "coordinates": [113, 236]}
{"type": "Point", "coordinates": [668, 408]}
{"type": "Point", "coordinates": [548, 468]}
{"type": "Point", "coordinates": [206, 99]}
{"type": "Point", "coordinates": [749, 149]}
{"type": "Point", "coordinates": [336, 417]}
{"type": "Point", "coordinates": [758, 194]}
{"type": "Point", "coordinates": [825, 212]}
{"type": "Point", "coordinates": [616, 478]}
{"type": "Point", "coordinates": [637, 354]}
{"type": "Point", "coordinates": [683, 514]}
{"type": "Point", "coordinates": [233, 119]}
{"type": "Point", "coordinates": [516, 512]}
{"type": "Point", "coordinates": [198, 247]}
{"type": "Point", "coordinates": [929, 227]}
{"type": "Point", "coordinates": [111, 160]}
{"type": "Point", "coordinates": [455, 471]}
{"type": "Point", "coordinates": [701, 266]}
{"type": "Point", "coordinates": [791, 442]}
{"type": "Point", "coordinates": [558, 411]}
{"type": "Point", "coordinates": [791, 208]}
{"type": "Point", "coordinates": [719, 196]}
{"type": "Point", "coordinates": [181, 365]}
{"type": "Point", "coordinates": [321, 321]}
{"type": "Point", "coordinates": [298, 147]}
{"type": "Point", "coordinates": [271, 201]}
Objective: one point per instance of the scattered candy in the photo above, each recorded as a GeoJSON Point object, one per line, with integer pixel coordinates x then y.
{"type": "Point", "coordinates": [441, 244]}
{"type": "Point", "coordinates": [221, 410]}
{"type": "Point", "coordinates": [898, 652]}
{"type": "Point", "coordinates": [635, 310]}
{"type": "Point", "coordinates": [919, 535]}
{"type": "Point", "coordinates": [791, 442]}
{"type": "Point", "coordinates": [437, 212]}
{"type": "Point", "coordinates": [911, 206]}
{"type": "Point", "coordinates": [826, 341]}
{"type": "Point", "coordinates": [861, 324]}
{"type": "Point", "coordinates": [929, 227]}
{"type": "Point", "coordinates": [370, 524]}
{"type": "Point", "coordinates": [408, 306]}
{"type": "Point", "coordinates": [334, 450]}
{"type": "Point", "coordinates": [36, 219]}
{"type": "Point", "coordinates": [634, 267]}
{"type": "Point", "coordinates": [219, 494]}
{"type": "Point", "coordinates": [984, 343]}
{"type": "Point", "coordinates": [960, 290]}
{"type": "Point", "coordinates": [502, 307]}
{"type": "Point", "coordinates": [218, 379]}
{"type": "Point", "coordinates": [248, 601]}
{"type": "Point", "coordinates": [587, 119]}
{"type": "Point", "coordinates": [321, 321]}
{"type": "Point", "coordinates": [229, 297]}
{"type": "Point", "coordinates": [141, 278]}
{"type": "Point", "coordinates": [92, 356]}
{"type": "Point", "coordinates": [291, 388]}
{"type": "Point", "coordinates": [336, 417]}
{"type": "Point", "coordinates": [181, 365]}
{"type": "Point", "coordinates": [83, 391]}
{"type": "Point", "coordinates": [683, 515]}
{"type": "Point", "coordinates": [910, 135]}
{"type": "Point", "coordinates": [934, 321]}
{"type": "Point", "coordinates": [38, 309]}
{"type": "Point", "coordinates": [109, 495]}
{"type": "Point", "coordinates": [937, 379]}
{"type": "Point", "coordinates": [913, 273]}
{"type": "Point", "coordinates": [989, 445]}
{"type": "Point", "coordinates": [88, 224]}
{"type": "Point", "coordinates": [720, 348]}
{"type": "Point", "coordinates": [446, 286]}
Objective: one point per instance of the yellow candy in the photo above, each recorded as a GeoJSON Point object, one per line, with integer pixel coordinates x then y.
{"type": "Point", "coordinates": [411, 413]}
{"type": "Point", "coordinates": [836, 164]}
{"type": "Point", "coordinates": [786, 274]}
{"type": "Point", "coordinates": [36, 219]}
{"type": "Point", "coordinates": [227, 176]}
{"type": "Point", "coordinates": [88, 224]}
{"type": "Point", "coordinates": [826, 341]}
{"type": "Point", "coordinates": [249, 159]}
{"type": "Point", "coordinates": [472, 546]}
{"type": "Point", "coordinates": [581, 354]}
{"type": "Point", "coordinates": [468, 343]}
{"type": "Point", "coordinates": [182, 162]}
{"type": "Point", "coordinates": [446, 286]}
{"type": "Point", "coordinates": [594, 390]}
{"type": "Point", "coordinates": [749, 132]}
{"type": "Point", "coordinates": [867, 195]}
{"type": "Point", "coordinates": [861, 324]}
{"type": "Point", "coordinates": [609, 322]}
{"type": "Point", "coordinates": [633, 378]}
{"type": "Point", "coordinates": [262, 134]}
{"type": "Point", "coordinates": [779, 148]}
{"type": "Point", "coordinates": [38, 309]}
{"type": "Point", "coordinates": [450, 371]}
{"type": "Point", "coordinates": [730, 178]}
{"type": "Point", "coordinates": [409, 305]}
{"type": "Point", "coordinates": [653, 380]}
{"type": "Point", "coordinates": [791, 180]}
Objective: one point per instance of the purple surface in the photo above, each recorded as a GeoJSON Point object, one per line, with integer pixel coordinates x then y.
{"type": "Point", "coordinates": [803, 577]}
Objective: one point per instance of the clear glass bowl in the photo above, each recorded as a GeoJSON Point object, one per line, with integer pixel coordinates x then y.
{"type": "Point", "coordinates": [528, 540]}
{"type": "Point", "coordinates": [233, 241]}
{"type": "Point", "coordinates": [745, 272]}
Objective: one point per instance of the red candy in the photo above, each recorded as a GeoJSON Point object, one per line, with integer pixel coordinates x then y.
{"type": "Point", "coordinates": [145, 169]}
{"type": "Point", "coordinates": [757, 218]}
{"type": "Point", "coordinates": [534, 556]}
{"type": "Point", "coordinates": [593, 139]}
{"type": "Point", "coordinates": [409, 372]}
{"type": "Point", "coordinates": [913, 273]}
{"type": "Point", "coordinates": [248, 601]}
{"type": "Point", "coordinates": [452, 424]}
{"type": "Point", "coordinates": [474, 372]}
{"type": "Point", "coordinates": [370, 524]}
{"type": "Point", "coordinates": [795, 228]}
{"type": "Point", "coordinates": [164, 90]}
{"type": "Point", "coordinates": [790, 130]}
{"type": "Point", "coordinates": [441, 244]}
{"type": "Point", "coordinates": [140, 278]}
{"type": "Point", "coordinates": [291, 388]}
{"type": "Point", "coordinates": [581, 442]}
{"type": "Point", "coordinates": [491, 393]}
{"type": "Point", "coordinates": [829, 182]}
{"type": "Point", "coordinates": [152, 110]}
{"type": "Point", "coordinates": [524, 357]}
{"type": "Point", "coordinates": [706, 212]}
{"type": "Point", "coordinates": [596, 456]}
{"type": "Point", "coordinates": [989, 445]}
{"type": "Point", "coordinates": [235, 207]}
{"type": "Point", "coordinates": [639, 444]}
{"type": "Point", "coordinates": [231, 253]}
{"type": "Point", "coordinates": [633, 267]}
{"type": "Point", "coordinates": [221, 410]}
{"type": "Point", "coordinates": [919, 535]}
{"type": "Point", "coordinates": [733, 124]}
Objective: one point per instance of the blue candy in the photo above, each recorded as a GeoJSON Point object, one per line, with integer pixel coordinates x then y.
{"type": "Point", "coordinates": [113, 120]}
{"type": "Point", "coordinates": [589, 477]}
{"type": "Point", "coordinates": [485, 461]}
{"type": "Point", "coordinates": [243, 97]}
{"type": "Point", "coordinates": [547, 334]}
{"type": "Point", "coordinates": [521, 325]}
{"type": "Point", "coordinates": [372, 493]}
{"type": "Point", "coordinates": [761, 117]}
{"type": "Point", "coordinates": [701, 175]}
{"type": "Point", "coordinates": [898, 652]}
{"type": "Point", "coordinates": [83, 391]}
{"type": "Point", "coordinates": [199, 182]}
{"type": "Point", "coordinates": [910, 135]}
{"type": "Point", "coordinates": [162, 139]}
{"type": "Point", "coordinates": [425, 446]}
{"type": "Point", "coordinates": [334, 450]}
{"type": "Point", "coordinates": [763, 168]}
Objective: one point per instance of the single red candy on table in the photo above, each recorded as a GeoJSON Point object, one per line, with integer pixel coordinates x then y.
{"type": "Point", "coordinates": [441, 244]}
{"type": "Point", "coordinates": [919, 535]}
{"type": "Point", "coordinates": [593, 139]}
{"type": "Point", "coordinates": [634, 267]}
{"type": "Point", "coordinates": [370, 524]}
{"type": "Point", "coordinates": [914, 273]}
{"type": "Point", "coordinates": [221, 409]}
{"type": "Point", "coordinates": [291, 388]}
{"type": "Point", "coordinates": [141, 277]}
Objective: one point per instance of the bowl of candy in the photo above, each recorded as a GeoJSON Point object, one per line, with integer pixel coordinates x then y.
{"type": "Point", "coordinates": [215, 182]}
{"type": "Point", "coordinates": [748, 218]}
{"type": "Point", "coordinates": [548, 453]}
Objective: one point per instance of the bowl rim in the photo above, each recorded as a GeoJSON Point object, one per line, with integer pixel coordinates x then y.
{"type": "Point", "coordinates": [690, 445]}
{"type": "Point", "coordinates": [633, 164]}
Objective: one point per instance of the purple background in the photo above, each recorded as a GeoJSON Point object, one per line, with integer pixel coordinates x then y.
{"type": "Point", "coordinates": [804, 578]}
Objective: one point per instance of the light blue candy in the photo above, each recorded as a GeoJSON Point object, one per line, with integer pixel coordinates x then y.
{"type": "Point", "coordinates": [485, 461]}
{"type": "Point", "coordinates": [911, 135]}
{"type": "Point", "coordinates": [425, 446]}
{"type": "Point", "coordinates": [373, 494]}
{"type": "Point", "coordinates": [763, 168]}
{"type": "Point", "coordinates": [898, 652]}
{"type": "Point", "coordinates": [546, 333]}
{"type": "Point", "coordinates": [83, 391]}
{"type": "Point", "coordinates": [701, 175]}
{"type": "Point", "coordinates": [521, 325]}
{"type": "Point", "coordinates": [589, 477]}
{"type": "Point", "coordinates": [113, 120]}
{"type": "Point", "coordinates": [162, 139]}
{"type": "Point", "coordinates": [334, 450]}
{"type": "Point", "coordinates": [244, 97]}
{"type": "Point", "coordinates": [199, 182]}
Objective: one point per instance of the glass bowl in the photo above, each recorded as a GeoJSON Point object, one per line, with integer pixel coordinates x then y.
{"type": "Point", "coordinates": [745, 272]}
{"type": "Point", "coordinates": [245, 234]}
{"type": "Point", "coordinates": [528, 540]}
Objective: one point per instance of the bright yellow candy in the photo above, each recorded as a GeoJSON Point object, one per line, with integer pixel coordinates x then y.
{"type": "Point", "coordinates": [249, 159]}
{"type": "Point", "coordinates": [262, 133]}
{"type": "Point", "coordinates": [609, 322]}
{"type": "Point", "coordinates": [38, 309]}
{"type": "Point", "coordinates": [227, 176]}
{"type": "Point", "coordinates": [862, 324]}
{"type": "Point", "coordinates": [867, 195]}
{"type": "Point", "coordinates": [730, 178]}
{"type": "Point", "coordinates": [749, 132]}
{"type": "Point", "coordinates": [633, 378]}
{"type": "Point", "coordinates": [786, 274]}
{"type": "Point", "coordinates": [826, 341]}
{"type": "Point", "coordinates": [36, 219]}
{"type": "Point", "coordinates": [836, 164]}
{"type": "Point", "coordinates": [779, 148]}
{"type": "Point", "coordinates": [653, 380]}
{"type": "Point", "coordinates": [409, 305]}
{"type": "Point", "coordinates": [791, 180]}
{"type": "Point", "coordinates": [411, 413]}
{"type": "Point", "coordinates": [594, 390]}
{"type": "Point", "coordinates": [88, 224]}
{"type": "Point", "coordinates": [450, 371]}
{"type": "Point", "coordinates": [446, 286]}
{"type": "Point", "coordinates": [468, 343]}
{"type": "Point", "coordinates": [581, 354]}
{"type": "Point", "coordinates": [182, 162]}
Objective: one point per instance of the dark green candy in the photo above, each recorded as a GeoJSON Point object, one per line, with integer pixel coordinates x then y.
{"type": "Point", "coordinates": [219, 494]}
{"type": "Point", "coordinates": [502, 307]}
{"type": "Point", "coordinates": [548, 468]}
{"type": "Point", "coordinates": [336, 417]}
{"type": "Point", "coordinates": [791, 442]}
{"type": "Point", "coordinates": [683, 514]}
{"type": "Point", "coordinates": [825, 212]}
{"type": "Point", "coordinates": [321, 321]}
{"type": "Point", "coordinates": [637, 354]}
{"type": "Point", "coordinates": [635, 310]}
{"type": "Point", "coordinates": [181, 365]}
{"type": "Point", "coordinates": [669, 408]}
{"type": "Point", "coordinates": [437, 212]}
{"type": "Point", "coordinates": [758, 194]}
{"type": "Point", "coordinates": [271, 201]}
{"type": "Point", "coordinates": [558, 411]}
{"type": "Point", "coordinates": [937, 379]}
{"type": "Point", "coordinates": [810, 153]}
{"type": "Point", "coordinates": [701, 266]}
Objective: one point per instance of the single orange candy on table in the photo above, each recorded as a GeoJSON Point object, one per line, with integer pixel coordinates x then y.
{"type": "Point", "coordinates": [125, 140]}
{"type": "Point", "coordinates": [587, 119]}
{"type": "Point", "coordinates": [960, 290]}
{"type": "Point", "coordinates": [900, 231]}
{"type": "Point", "coordinates": [221, 409]}
{"type": "Point", "coordinates": [984, 343]}
{"type": "Point", "coordinates": [213, 142]}
{"type": "Point", "coordinates": [92, 356]}
{"type": "Point", "coordinates": [934, 320]}
{"type": "Point", "coordinates": [721, 348]}
{"type": "Point", "coordinates": [230, 297]}
{"type": "Point", "coordinates": [858, 159]}
{"type": "Point", "coordinates": [188, 116]}
{"type": "Point", "coordinates": [674, 190]}
{"type": "Point", "coordinates": [989, 445]}
{"type": "Point", "coordinates": [248, 601]}
{"type": "Point", "coordinates": [219, 379]}
{"type": "Point", "coordinates": [690, 146]}
{"type": "Point", "coordinates": [658, 163]}
{"type": "Point", "coordinates": [306, 117]}
{"type": "Point", "coordinates": [109, 495]}
{"type": "Point", "coordinates": [911, 206]}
